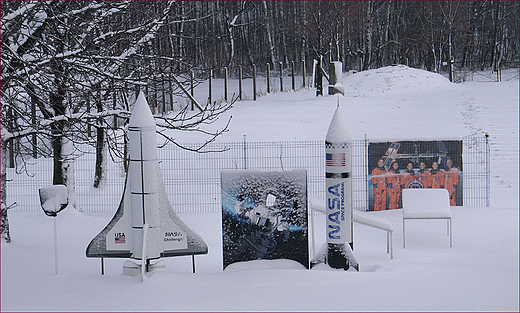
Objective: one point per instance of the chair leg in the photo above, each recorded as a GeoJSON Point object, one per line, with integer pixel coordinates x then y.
{"type": "Point", "coordinates": [404, 235]}
{"type": "Point", "coordinates": [391, 245]}
{"type": "Point", "coordinates": [451, 233]}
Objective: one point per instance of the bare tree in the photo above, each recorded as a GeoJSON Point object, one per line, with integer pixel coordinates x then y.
{"type": "Point", "coordinates": [56, 55]}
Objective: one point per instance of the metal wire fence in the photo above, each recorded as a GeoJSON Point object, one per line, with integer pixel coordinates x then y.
{"type": "Point", "coordinates": [192, 180]}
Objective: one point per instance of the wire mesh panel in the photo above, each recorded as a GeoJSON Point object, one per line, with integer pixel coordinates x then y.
{"type": "Point", "coordinates": [192, 180]}
{"type": "Point", "coordinates": [476, 171]}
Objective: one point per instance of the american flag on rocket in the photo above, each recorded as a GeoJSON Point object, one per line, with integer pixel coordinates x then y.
{"type": "Point", "coordinates": [335, 159]}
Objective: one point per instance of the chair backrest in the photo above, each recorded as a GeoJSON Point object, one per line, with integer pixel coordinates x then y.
{"type": "Point", "coordinates": [426, 203]}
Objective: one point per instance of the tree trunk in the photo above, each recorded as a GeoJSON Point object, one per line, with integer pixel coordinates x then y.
{"type": "Point", "coordinates": [3, 187]}
{"type": "Point", "coordinates": [101, 150]}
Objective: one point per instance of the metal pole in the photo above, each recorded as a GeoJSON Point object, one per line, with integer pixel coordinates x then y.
{"type": "Point", "coordinates": [102, 266]}
{"type": "Point", "coordinates": [254, 82]}
{"type": "Point", "coordinates": [55, 246]}
{"type": "Point", "coordinates": [245, 153]}
{"type": "Point", "coordinates": [192, 78]}
{"type": "Point", "coordinates": [210, 82]}
{"type": "Point", "coordinates": [488, 174]}
{"type": "Point", "coordinates": [303, 72]}
{"type": "Point", "coordinates": [281, 77]}
{"type": "Point", "coordinates": [226, 84]}
{"type": "Point", "coordinates": [240, 83]}
{"type": "Point", "coordinates": [268, 78]}
{"type": "Point", "coordinates": [193, 263]}
{"type": "Point", "coordinates": [366, 172]}
{"type": "Point", "coordinates": [292, 73]}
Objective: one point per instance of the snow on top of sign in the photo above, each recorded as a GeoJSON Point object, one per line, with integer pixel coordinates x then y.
{"type": "Point", "coordinates": [141, 114]}
{"type": "Point", "coordinates": [338, 131]}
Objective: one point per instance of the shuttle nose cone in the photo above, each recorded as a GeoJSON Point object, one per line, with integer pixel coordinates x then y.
{"type": "Point", "coordinates": [141, 115]}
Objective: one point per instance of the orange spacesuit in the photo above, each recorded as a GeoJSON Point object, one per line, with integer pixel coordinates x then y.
{"type": "Point", "coordinates": [424, 176]}
{"type": "Point", "coordinates": [408, 176]}
{"type": "Point", "coordinates": [379, 184]}
{"type": "Point", "coordinates": [438, 179]}
{"type": "Point", "coordinates": [393, 186]}
{"type": "Point", "coordinates": [452, 180]}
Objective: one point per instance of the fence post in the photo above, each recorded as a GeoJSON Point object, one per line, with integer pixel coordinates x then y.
{"type": "Point", "coordinates": [245, 153]}
{"type": "Point", "coordinates": [254, 82]}
{"type": "Point", "coordinates": [292, 72]}
{"type": "Point", "coordinates": [33, 120]}
{"type": "Point", "coordinates": [171, 91]}
{"type": "Point", "coordinates": [365, 166]}
{"type": "Point", "coordinates": [281, 77]}
{"type": "Point", "coordinates": [226, 84]}
{"type": "Point", "coordinates": [303, 73]}
{"type": "Point", "coordinates": [210, 81]}
{"type": "Point", "coordinates": [89, 127]}
{"type": "Point", "coordinates": [114, 104]}
{"type": "Point", "coordinates": [488, 174]}
{"type": "Point", "coordinates": [192, 78]}
{"type": "Point", "coordinates": [268, 78]}
{"type": "Point", "coordinates": [240, 83]}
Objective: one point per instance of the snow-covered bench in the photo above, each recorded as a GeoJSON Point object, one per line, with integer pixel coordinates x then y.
{"type": "Point", "coordinates": [426, 204]}
{"type": "Point", "coordinates": [360, 218]}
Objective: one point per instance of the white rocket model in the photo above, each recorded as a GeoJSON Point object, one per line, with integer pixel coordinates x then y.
{"type": "Point", "coordinates": [145, 227]}
{"type": "Point", "coordinates": [337, 252]}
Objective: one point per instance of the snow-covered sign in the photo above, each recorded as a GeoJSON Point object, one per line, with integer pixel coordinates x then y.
{"type": "Point", "coordinates": [53, 199]}
{"type": "Point", "coordinates": [264, 216]}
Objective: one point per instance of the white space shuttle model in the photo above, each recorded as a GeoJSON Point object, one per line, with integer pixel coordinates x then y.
{"type": "Point", "coordinates": [145, 226]}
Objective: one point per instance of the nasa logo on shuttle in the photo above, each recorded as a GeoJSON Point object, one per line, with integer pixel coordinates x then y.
{"type": "Point", "coordinates": [173, 236]}
{"type": "Point", "coordinates": [336, 205]}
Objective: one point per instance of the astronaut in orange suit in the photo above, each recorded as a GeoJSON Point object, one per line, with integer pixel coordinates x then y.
{"type": "Point", "coordinates": [379, 183]}
{"type": "Point", "coordinates": [393, 186]}
{"type": "Point", "coordinates": [438, 178]}
{"type": "Point", "coordinates": [424, 176]}
{"type": "Point", "coordinates": [452, 180]}
{"type": "Point", "coordinates": [408, 176]}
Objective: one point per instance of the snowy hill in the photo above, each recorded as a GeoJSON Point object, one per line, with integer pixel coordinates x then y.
{"type": "Point", "coordinates": [479, 273]}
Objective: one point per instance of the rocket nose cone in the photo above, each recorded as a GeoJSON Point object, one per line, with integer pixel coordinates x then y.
{"type": "Point", "coordinates": [338, 131]}
{"type": "Point", "coordinates": [141, 114]}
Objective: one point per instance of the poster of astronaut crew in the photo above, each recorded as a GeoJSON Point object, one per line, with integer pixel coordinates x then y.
{"type": "Point", "coordinates": [264, 216]}
{"type": "Point", "coordinates": [394, 166]}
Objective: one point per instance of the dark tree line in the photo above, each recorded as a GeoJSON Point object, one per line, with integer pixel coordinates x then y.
{"type": "Point", "coordinates": [375, 33]}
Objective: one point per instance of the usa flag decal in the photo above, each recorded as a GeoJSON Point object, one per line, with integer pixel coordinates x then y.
{"type": "Point", "coordinates": [335, 159]}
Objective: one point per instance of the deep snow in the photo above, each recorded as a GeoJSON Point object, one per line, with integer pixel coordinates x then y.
{"type": "Point", "coordinates": [479, 273]}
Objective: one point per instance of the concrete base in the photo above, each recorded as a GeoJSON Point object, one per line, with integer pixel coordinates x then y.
{"type": "Point", "coordinates": [133, 269]}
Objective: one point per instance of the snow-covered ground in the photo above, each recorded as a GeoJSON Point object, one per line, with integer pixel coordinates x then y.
{"type": "Point", "coordinates": [479, 273]}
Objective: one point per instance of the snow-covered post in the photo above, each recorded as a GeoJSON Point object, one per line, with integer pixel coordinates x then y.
{"type": "Point", "coordinates": [53, 199]}
{"type": "Point", "coordinates": [268, 78]}
{"type": "Point", "coordinates": [281, 77]}
{"type": "Point", "coordinates": [226, 84]}
{"type": "Point", "coordinates": [210, 83]}
{"type": "Point", "coordinates": [303, 73]}
{"type": "Point", "coordinates": [254, 82]}
{"type": "Point", "coordinates": [240, 82]}
{"type": "Point", "coordinates": [292, 74]}
{"type": "Point", "coordinates": [488, 173]}
{"type": "Point", "coordinates": [336, 78]}
{"type": "Point", "coordinates": [192, 82]}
